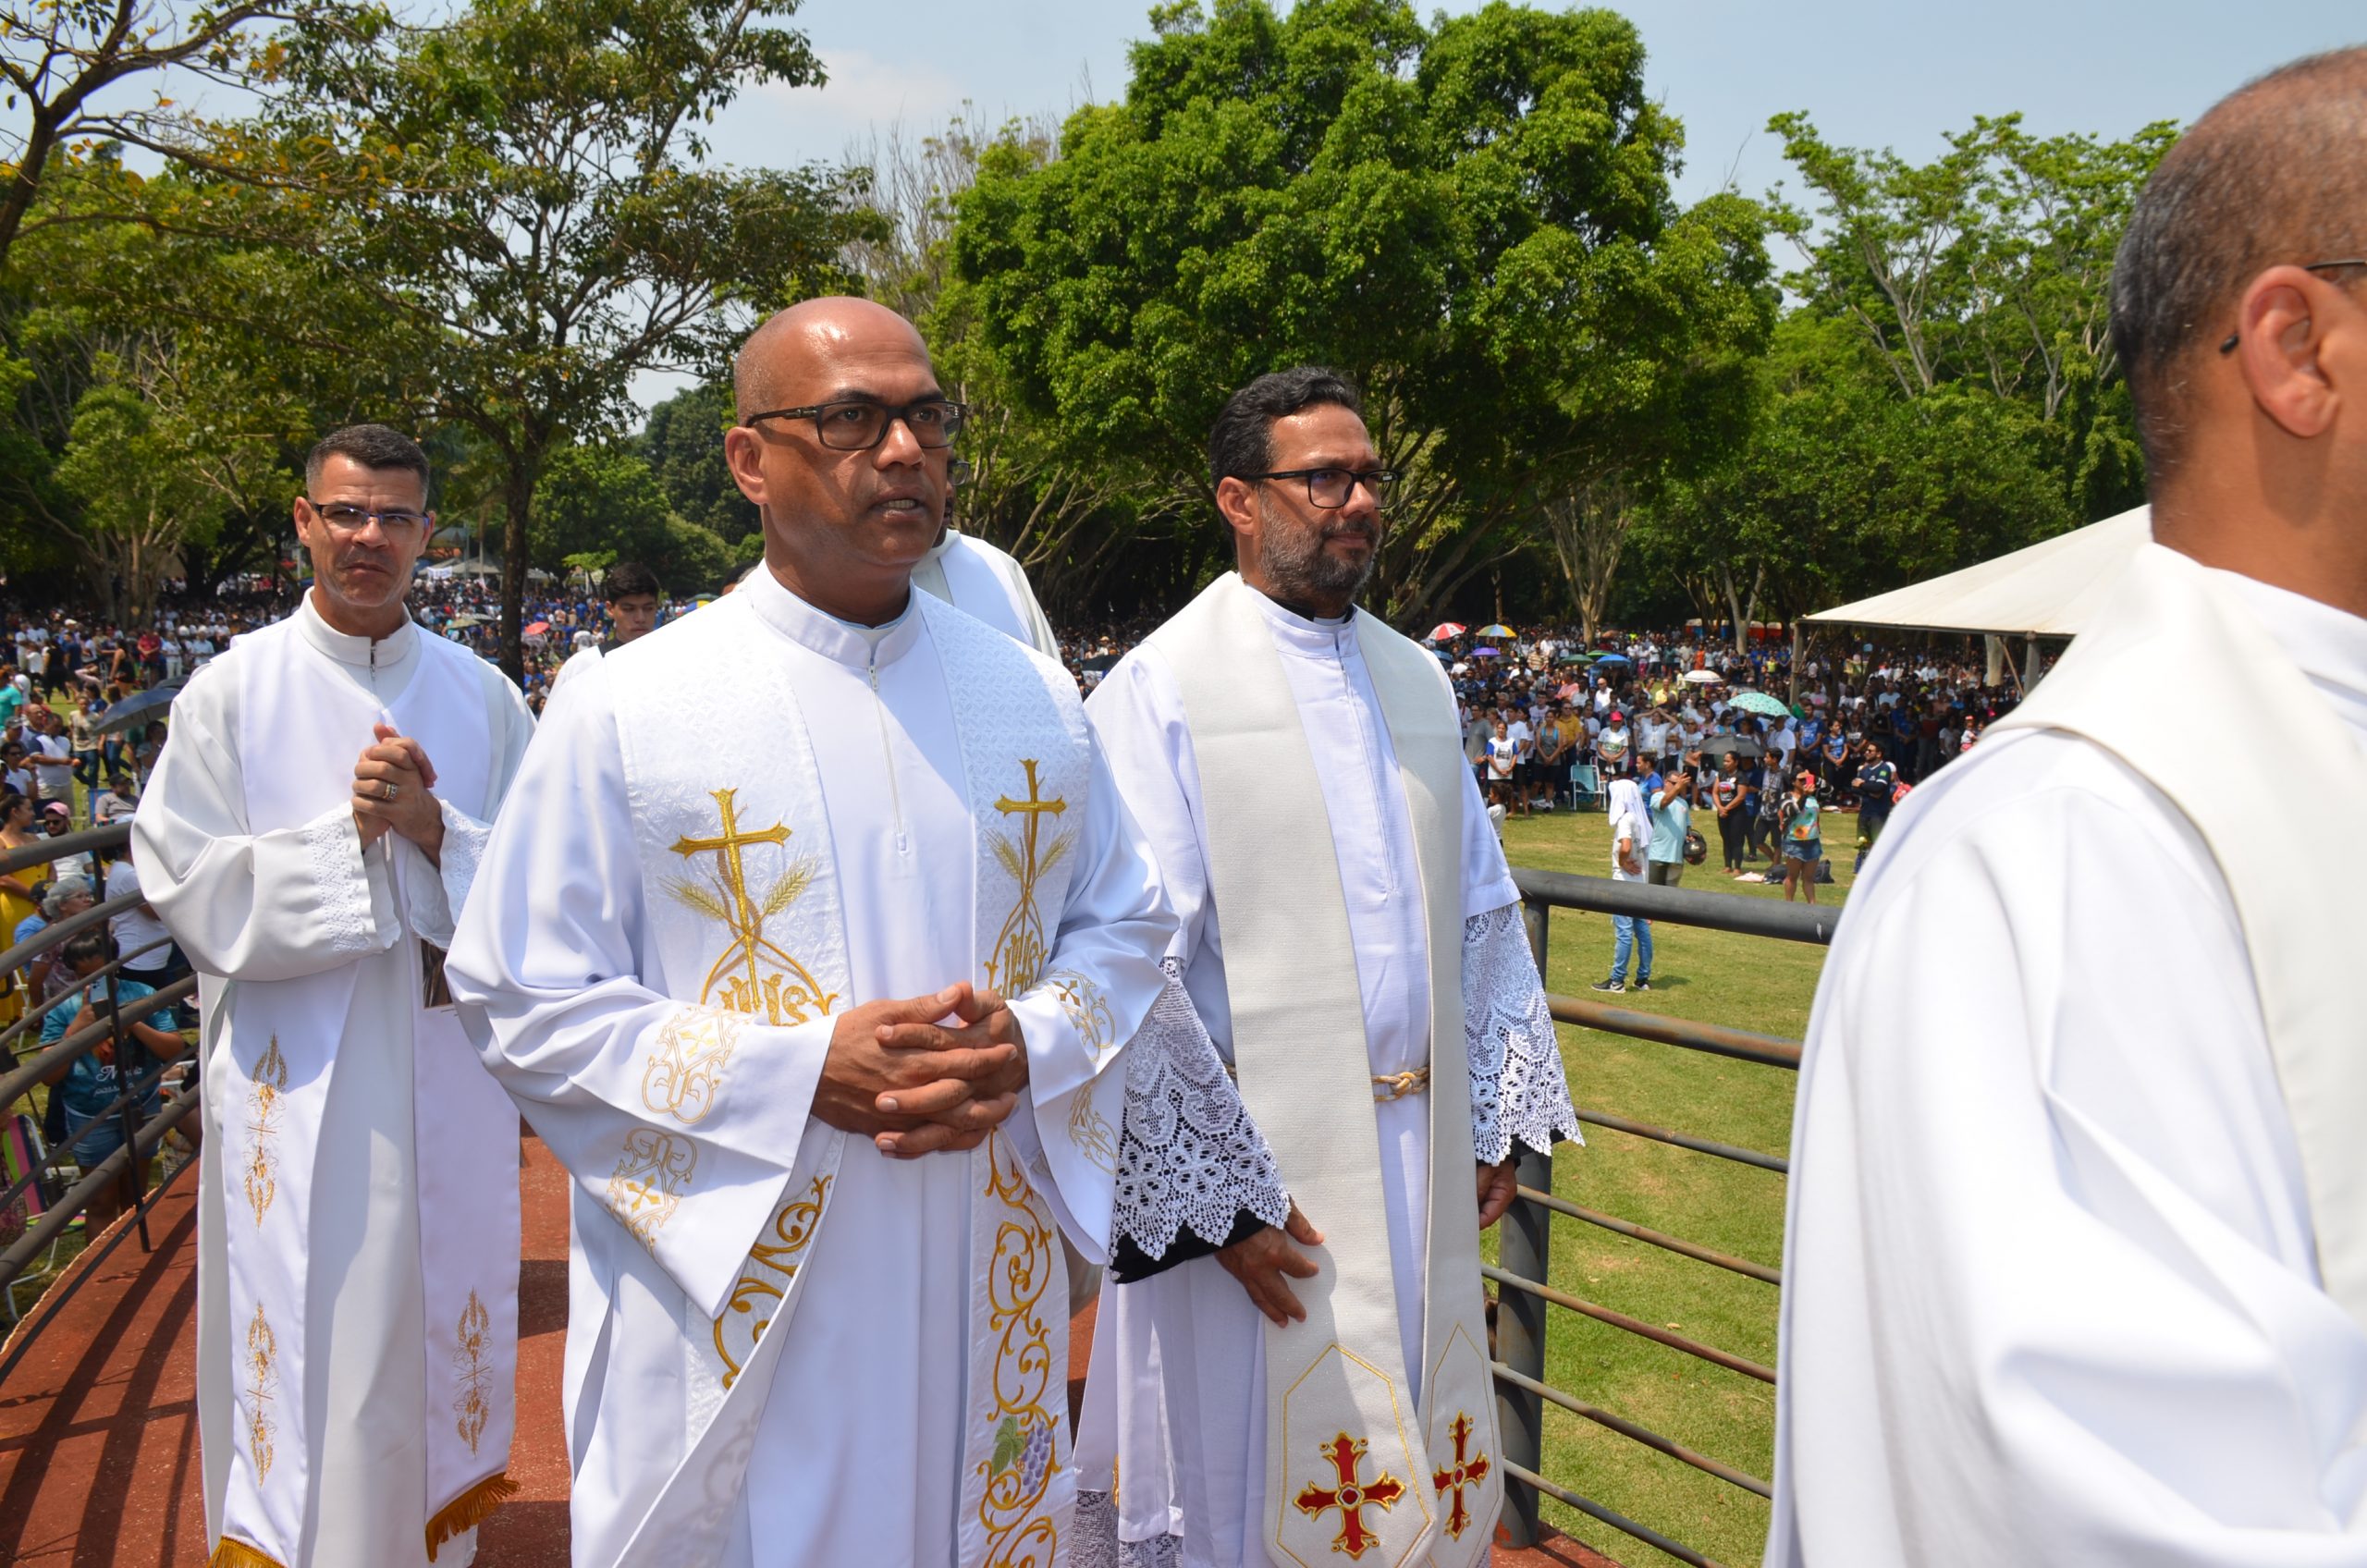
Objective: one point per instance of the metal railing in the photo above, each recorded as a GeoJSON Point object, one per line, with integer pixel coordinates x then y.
{"type": "Point", "coordinates": [24, 1066]}
{"type": "Point", "coordinates": [1521, 1274]}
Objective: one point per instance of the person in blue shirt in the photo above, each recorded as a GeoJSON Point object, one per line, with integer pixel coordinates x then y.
{"type": "Point", "coordinates": [89, 1084]}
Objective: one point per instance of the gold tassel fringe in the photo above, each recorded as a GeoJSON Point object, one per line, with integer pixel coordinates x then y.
{"type": "Point", "coordinates": [462, 1515]}
{"type": "Point", "coordinates": [232, 1552]}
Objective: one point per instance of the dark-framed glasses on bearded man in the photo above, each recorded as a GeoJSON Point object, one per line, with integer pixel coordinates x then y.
{"type": "Point", "coordinates": [1329, 487]}
{"type": "Point", "coordinates": [857, 424]}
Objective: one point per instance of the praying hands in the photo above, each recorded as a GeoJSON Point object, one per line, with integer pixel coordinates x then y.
{"type": "Point", "coordinates": [392, 780]}
{"type": "Point", "coordinates": [913, 1083]}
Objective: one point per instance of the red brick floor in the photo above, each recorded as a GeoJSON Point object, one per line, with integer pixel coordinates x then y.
{"type": "Point", "coordinates": [98, 1425]}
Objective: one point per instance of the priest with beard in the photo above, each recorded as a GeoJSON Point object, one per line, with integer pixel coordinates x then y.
{"type": "Point", "coordinates": [2076, 1265]}
{"type": "Point", "coordinates": [1352, 938]}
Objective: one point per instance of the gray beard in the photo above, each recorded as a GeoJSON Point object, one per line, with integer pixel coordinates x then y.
{"type": "Point", "coordinates": [1299, 570]}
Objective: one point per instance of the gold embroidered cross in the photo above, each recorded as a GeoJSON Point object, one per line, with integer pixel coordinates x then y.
{"type": "Point", "coordinates": [1019, 950]}
{"type": "Point", "coordinates": [743, 916]}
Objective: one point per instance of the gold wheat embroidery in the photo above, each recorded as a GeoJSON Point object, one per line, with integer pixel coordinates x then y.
{"type": "Point", "coordinates": [266, 1100]}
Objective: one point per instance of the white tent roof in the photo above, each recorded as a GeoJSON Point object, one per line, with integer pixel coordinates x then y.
{"type": "Point", "coordinates": [2046, 589]}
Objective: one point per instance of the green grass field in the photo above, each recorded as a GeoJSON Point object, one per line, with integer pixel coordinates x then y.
{"type": "Point", "coordinates": [1743, 981]}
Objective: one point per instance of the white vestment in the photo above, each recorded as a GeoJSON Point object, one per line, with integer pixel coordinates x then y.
{"type": "Point", "coordinates": [1210, 1342]}
{"type": "Point", "coordinates": [975, 577]}
{"type": "Point", "coordinates": [910, 1410]}
{"type": "Point", "coordinates": [259, 908]}
{"type": "Point", "coordinates": [2052, 1285]}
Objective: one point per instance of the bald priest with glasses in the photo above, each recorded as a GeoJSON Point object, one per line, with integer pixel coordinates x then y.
{"type": "Point", "coordinates": [818, 947]}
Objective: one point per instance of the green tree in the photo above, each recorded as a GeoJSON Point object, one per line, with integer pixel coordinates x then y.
{"type": "Point", "coordinates": [600, 504]}
{"type": "Point", "coordinates": [1473, 219]}
{"type": "Point", "coordinates": [683, 442]}
{"type": "Point", "coordinates": [521, 199]}
{"type": "Point", "coordinates": [1986, 270]}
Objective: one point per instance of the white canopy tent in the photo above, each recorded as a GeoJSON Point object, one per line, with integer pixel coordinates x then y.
{"type": "Point", "coordinates": [2046, 589]}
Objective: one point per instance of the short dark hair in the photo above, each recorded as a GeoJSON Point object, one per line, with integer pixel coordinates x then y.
{"type": "Point", "coordinates": [371, 445]}
{"type": "Point", "coordinates": [2270, 174]}
{"type": "Point", "coordinates": [1242, 441]}
{"type": "Point", "coordinates": [627, 580]}
{"type": "Point", "coordinates": [84, 946]}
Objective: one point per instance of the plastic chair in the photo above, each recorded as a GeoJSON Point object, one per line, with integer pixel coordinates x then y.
{"type": "Point", "coordinates": [1586, 787]}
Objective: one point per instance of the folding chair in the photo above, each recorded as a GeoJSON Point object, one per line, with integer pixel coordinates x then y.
{"type": "Point", "coordinates": [1586, 787]}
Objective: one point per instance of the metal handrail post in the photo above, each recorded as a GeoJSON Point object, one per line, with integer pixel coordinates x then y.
{"type": "Point", "coordinates": [1520, 1317]}
{"type": "Point", "coordinates": [134, 1190]}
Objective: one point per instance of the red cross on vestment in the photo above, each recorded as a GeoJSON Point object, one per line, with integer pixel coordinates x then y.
{"type": "Point", "coordinates": [1452, 1480]}
{"type": "Point", "coordinates": [1350, 1496]}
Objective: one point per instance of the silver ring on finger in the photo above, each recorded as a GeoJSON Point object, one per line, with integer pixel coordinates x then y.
{"type": "Point", "coordinates": [387, 791]}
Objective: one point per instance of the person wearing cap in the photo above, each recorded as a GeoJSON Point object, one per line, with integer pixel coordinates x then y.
{"type": "Point", "coordinates": [1803, 839]}
{"type": "Point", "coordinates": [1610, 747]}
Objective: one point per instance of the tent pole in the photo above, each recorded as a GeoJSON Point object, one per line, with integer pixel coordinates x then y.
{"type": "Point", "coordinates": [1795, 698]}
{"type": "Point", "coordinates": [2029, 663]}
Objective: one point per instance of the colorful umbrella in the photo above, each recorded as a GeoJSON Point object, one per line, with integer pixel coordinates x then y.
{"type": "Point", "coordinates": [1497, 630]}
{"type": "Point", "coordinates": [1485, 654]}
{"type": "Point", "coordinates": [1443, 631]}
{"type": "Point", "coordinates": [1758, 703]}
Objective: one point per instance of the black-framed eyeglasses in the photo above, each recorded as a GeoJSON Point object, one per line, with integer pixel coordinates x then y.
{"type": "Point", "coordinates": [1330, 487]}
{"type": "Point", "coordinates": [2236, 338]}
{"type": "Point", "coordinates": [856, 425]}
{"type": "Point", "coordinates": [344, 519]}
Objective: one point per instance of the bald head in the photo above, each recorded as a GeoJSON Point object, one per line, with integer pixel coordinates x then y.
{"type": "Point", "coordinates": [2274, 174]}
{"type": "Point", "coordinates": [796, 345]}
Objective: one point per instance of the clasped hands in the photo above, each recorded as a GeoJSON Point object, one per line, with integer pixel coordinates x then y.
{"type": "Point", "coordinates": [925, 1073]}
{"type": "Point", "coordinates": [1261, 1261]}
{"type": "Point", "coordinates": [395, 763]}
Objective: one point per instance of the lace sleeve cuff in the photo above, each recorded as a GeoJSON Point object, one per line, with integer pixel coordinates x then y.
{"type": "Point", "coordinates": [1188, 1154]}
{"type": "Point", "coordinates": [1519, 1092]}
{"type": "Point", "coordinates": [355, 902]}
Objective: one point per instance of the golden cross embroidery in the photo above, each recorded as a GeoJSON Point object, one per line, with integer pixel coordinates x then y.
{"type": "Point", "coordinates": [1454, 1478]}
{"type": "Point", "coordinates": [1350, 1496]}
{"type": "Point", "coordinates": [1019, 951]}
{"type": "Point", "coordinates": [751, 991]}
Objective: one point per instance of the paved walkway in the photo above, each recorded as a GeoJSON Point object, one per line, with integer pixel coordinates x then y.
{"type": "Point", "coordinates": [98, 1426]}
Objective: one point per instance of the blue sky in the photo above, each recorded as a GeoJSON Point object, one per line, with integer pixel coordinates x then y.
{"type": "Point", "coordinates": [1898, 73]}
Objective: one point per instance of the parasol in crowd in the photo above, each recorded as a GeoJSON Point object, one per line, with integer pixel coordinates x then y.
{"type": "Point", "coordinates": [1702, 678]}
{"type": "Point", "coordinates": [1458, 669]}
{"type": "Point", "coordinates": [1485, 654]}
{"type": "Point", "coordinates": [1758, 703]}
{"type": "Point", "coordinates": [1613, 659]}
{"type": "Point", "coordinates": [137, 708]}
{"type": "Point", "coordinates": [1497, 629]}
{"type": "Point", "coordinates": [1570, 693]}
{"type": "Point", "coordinates": [1443, 631]}
{"type": "Point", "coordinates": [1572, 655]}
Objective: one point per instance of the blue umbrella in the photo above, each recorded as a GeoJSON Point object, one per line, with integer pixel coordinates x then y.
{"type": "Point", "coordinates": [1613, 659]}
{"type": "Point", "coordinates": [1485, 654]}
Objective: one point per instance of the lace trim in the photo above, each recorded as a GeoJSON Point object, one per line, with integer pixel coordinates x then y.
{"type": "Point", "coordinates": [332, 846]}
{"type": "Point", "coordinates": [1188, 1154]}
{"type": "Point", "coordinates": [1519, 1092]}
{"type": "Point", "coordinates": [465, 841]}
{"type": "Point", "coordinates": [1094, 1543]}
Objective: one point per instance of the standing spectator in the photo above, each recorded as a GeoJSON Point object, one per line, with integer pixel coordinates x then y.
{"type": "Point", "coordinates": [1503, 763]}
{"type": "Point", "coordinates": [1631, 833]}
{"type": "Point", "coordinates": [1803, 839]}
{"type": "Point", "coordinates": [1524, 739]}
{"type": "Point", "coordinates": [1557, 741]}
{"type": "Point", "coordinates": [1727, 794]}
{"type": "Point", "coordinates": [52, 755]}
{"type": "Point", "coordinates": [83, 734]}
{"type": "Point", "coordinates": [17, 898]}
{"type": "Point", "coordinates": [139, 928]}
{"type": "Point", "coordinates": [1672, 810]}
{"type": "Point", "coordinates": [1653, 732]}
{"type": "Point", "coordinates": [16, 774]}
{"type": "Point", "coordinates": [1476, 733]}
{"type": "Point", "coordinates": [1766, 809]}
{"type": "Point", "coordinates": [1877, 780]}
{"type": "Point", "coordinates": [1832, 762]}
{"type": "Point", "coordinates": [12, 698]}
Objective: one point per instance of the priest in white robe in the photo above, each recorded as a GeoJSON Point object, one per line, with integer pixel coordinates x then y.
{"type": "Point", "coordinates": [813, 945]}
{"type": "Point", "coordinates": [308, 837]}
{"type": "Point", "coordinates": [1351, 937]}
{"type": "Point", "coordinates": [2076, 1262]}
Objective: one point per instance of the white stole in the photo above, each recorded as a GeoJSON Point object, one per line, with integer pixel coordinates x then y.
{"type": "Point", "coordinates": [1350, 1465]}
{"type": "Point", "coordinates": [2300, 924]}
{"type": "Point", "coordinates": [745, 902]}
{"type": "Point", "coordinates": [301, 723]}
